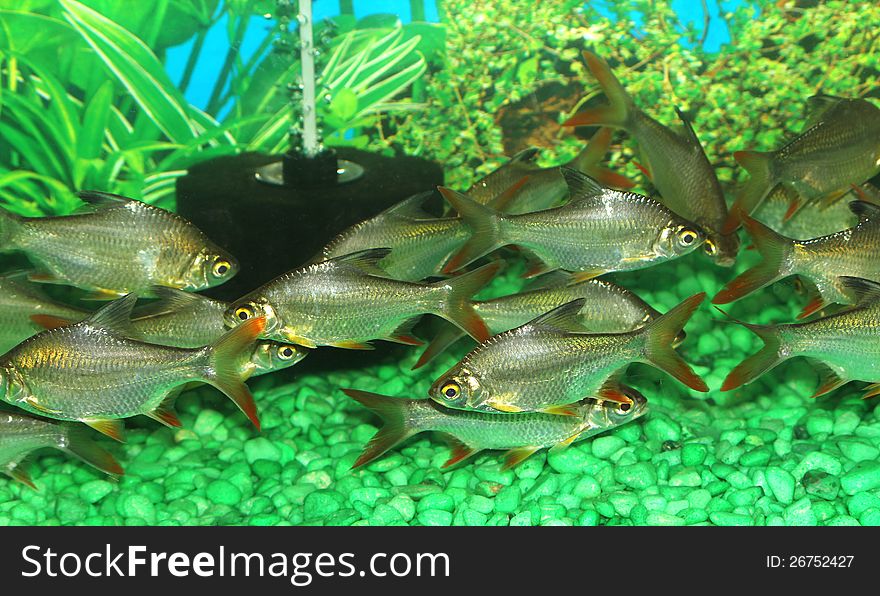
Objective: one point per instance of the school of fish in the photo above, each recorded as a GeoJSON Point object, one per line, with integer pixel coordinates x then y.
{"type": "Point", "coordinates": [549, 367]}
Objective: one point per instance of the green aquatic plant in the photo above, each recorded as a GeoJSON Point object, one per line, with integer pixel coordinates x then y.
{"type": "Point", "coordinates": [513, 73]}
{"type": "Point", "coordinates": [85, 101]}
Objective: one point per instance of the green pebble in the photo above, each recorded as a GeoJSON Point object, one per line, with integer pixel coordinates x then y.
{"type": "Point", "coordinates": [781, 484]}
{"type": "Point", "coordinates": [95, 490]}
{"type": "Point", "coordinates": [368, 495]}
{"type": "Point", "coordinates": [435, 517]}
{"type": "Point", "coordinates": [858, 451]}
{"type": "Point", "coordinates": [846, 423]}
{"type": "Point", "coordinates": [723, 518]}
{"type": "Point", "coordinates": [261, 448]}
{"type": "Point", "coordinates": [821, 484]}
{"type": "Point", "coordinates": [800, 513]}
{"type": "Point", "coordinates": [508, 499]}
{"type": "Point", "coordinates": [137, 506]}
{"type": "Point", "coordinates": [842, 520]}
{"type": "Point", "coordinates": [590, 517]}
{"type": "Point", "coordinates": [660, 428]}
{"type": "Point", "coordinates": [474, 518]}
{"type": "Point", "coordinates": [639, 514]}
{"type": "Point", "coordinates": [622, 503]}
{"type": "Point", "coordinates": [223, 492]}
{"type": "Point", "coordinates": [404, 505]}
{"type": "Point", "coordinates": [587, 487]}
{"type": "Point", "coordinates": [207, 422]}
{"type": "Point", "coordinates": [864, 476]}
{"type": "Point", "coordinates": [755, 457]}
{"type": "Point", "coordinates": [860, 502]}
{"type": "Point", "coordinates": [870, 517]}
{"type": "Point", "coordinates": [699, 499]}
{"type": "Point", "coordinates": [693, 516]}
{"type": "Point", "coordinates": [816, 460]}
{"type": "Point", "coordinates": [686, 477]}
{"type": "Point", "coordinates": [322, 503]}
{"type": "Point", "coordinates": [745, 497]}
{"type": "Point", "coordinates": [605, 447]}
{"type": "Point", "coordinates": [437, 501]}
{"type": "Point", "coordinates": [568, 461]}
{"type": "Point", "coordinates": [658, 518]}
{"type": "Point", "coordinates": [819, 424]}
{"type": "Point", "coordinates": [693, 454]}
{"type": "Point", "coordinates": [638, 476]}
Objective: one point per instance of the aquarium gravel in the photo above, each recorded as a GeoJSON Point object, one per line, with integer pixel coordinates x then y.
{"type": "Point", "coordinates": [762, 455]}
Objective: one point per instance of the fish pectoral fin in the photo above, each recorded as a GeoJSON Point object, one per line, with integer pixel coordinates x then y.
{"type": "Point", "coordinates": [815, 304]}
{"type": "Point", "coordinates": [352, 345]}
{"type": "Point", "coordinates": [103, 294]}
{"type": "Point", "coordinates": [503, 407]}
{"type": "Point", "coordinates": [35, 404]}
{"type": "Point", "coordinates": [579, 276]}
{"type": "Point", "coordinates": [518, 455]}
{"type": "Point", "coordinates": [829, 379]}
{"type": "Point", "coordinates": [114, 429]}
{"type": "Point", "coordinates": [566, 410]}
{"type": "Point", "coordinates": [298, 340]}
{"type": "Point", "coordinates": [566, 442]}
{"type": "Point", "coordinates": [17, 472]}
{"type": "Point", "coordinates": [612, 390]}
{"type": "Point", "coordinates": [43, 277]}
{"type": "Point", "coordinates": [164, 412]}
{"type": "Point", "coordinates": [535, 266]}
{"type": "Point", "coordinates": [460, 451]}
{"type": "Point", "coordinates": [871, 390]}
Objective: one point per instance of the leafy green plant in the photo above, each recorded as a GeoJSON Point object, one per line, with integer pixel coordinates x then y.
{"type": "Point", "coordinates": [86, 103]}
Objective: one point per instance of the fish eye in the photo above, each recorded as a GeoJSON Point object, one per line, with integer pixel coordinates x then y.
{"type": "Point", "coordinates": [451, 390]}
{"type": "Point", "coordinates": [221, 267]}
{"type": "Point", "coordinates": [623, 409]}
{"type": "Point", "coordinates": [286, 352]}
{"type": "Point", "coordinates": [687, 237]}
{"type": "Point", "coordinates": [710, 248]}
{"type": "Point", "coordinates": [243, 313]}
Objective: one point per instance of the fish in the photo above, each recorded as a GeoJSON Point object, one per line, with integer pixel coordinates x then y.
{"type": "Point", "coordinates": [21, 299]}
{"type": "Point", "coordinates": [471, 432]}
{"type": "Point", "coordinates": [550, 363]}
{"type": "Point", "coordinates": [853, 252]}
{"type": "Point", "coordinates": [348, 301]}
{"type": "Point", "coordinates": [839, 147]}
{"type": "Point", "coordinates": [608, 308]}
{"type": "Point", "coordinates": [842, 346]}
{"type": "Point", "coordinates": [814, 220]}
{"type": "Point", "coordinates": [91, 372]}
{"type": "Point", "coordinates": [675, 162]}
{"type": "Point", "coordinates": [597, 231]}
{"type": "Point", "coordinates": [420, 243]}
{"type": "Point", "coordinates": [117, 246]}
{"type": "Point", "coordinates": [185, 320]}
{"type": "Point", "coordinates": [544, 188]}
{"type": "Point", "coordinates": [21, 434]}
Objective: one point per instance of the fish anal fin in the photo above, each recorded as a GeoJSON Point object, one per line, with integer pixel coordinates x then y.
{"type": "Point", "coordinates": [20, 474]}
{"type": "Point", "coordinates": [460, 451]}
{"type": "Point", "coordinates": [815, 304]}
{"type": "Point", "coordinates": [518, 455]}
{"type": "Point", "coordinates": [503, 200]}
{"type": "Point", "coordinates": [102, 294]}
{"type": "Point", "coordinates": [503, 407]}
{"type": "Point", "coordinates": [114, 429]}
{"type": "Point", "coordinates": [164, 412]}
{"type": "Point", "coordinates": [579, 276]}
{"type": "Point", "coordinates": [564, 410]}
{"type": "Point", "coordinates": [352, 345]}
{"type": "Point", "coordinates": [871, 390]}
{"type": "Point", "coordinates": [829, 379]}
{"type": "Point", "coordinates": [42, 277]}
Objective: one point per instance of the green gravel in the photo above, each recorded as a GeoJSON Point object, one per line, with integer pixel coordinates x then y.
{"type": "Point", "coordinates": [762, 455]}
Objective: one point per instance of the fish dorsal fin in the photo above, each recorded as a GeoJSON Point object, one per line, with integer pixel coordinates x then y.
{"type": "Point", "coordinates": [170, 300]}
{"type": "Point", "coordinates": [864, 291]}
{"type": "Point", "coordinates": [817, 106]}
{"type": "Point", "coordinates": [865, 210]}
{"type": "Point", "coordinates": [527, 155]}
{"type": "Point", "coordinates": [115, 316]}
{"type": "Point", "coordinates": [411, 207]}
{"type": "Point", "coordinates": [365, 260]}
{"type": "Point", "coordinates": [561, 318]}
{"type": "Point", "coordinates": [581, 185]}
{"type": "Point", "coordinates": [97, 200]}
{"type": "Point", "coordinates": [687, 129]}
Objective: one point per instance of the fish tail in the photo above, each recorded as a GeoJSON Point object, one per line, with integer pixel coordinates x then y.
{"type": "Point", "coordinates": [591, 156]}
{"type": "Point", "coordinates": [224, 370]}
{"type": "Point", "coordinates": [660, 336]}
{"type": "Point", "coordinates": [775, 251]}
{"type": "Point", "coordinates": [485, 225]}
{"type": "Point", "coordinates": [765, 359]}
{"type": "Point", "coordinates": [620, 108]}
{"type": "Point", "coordinates": [447, 336]}
{"type": "Point", "coordinates": [79, 442]}
{"type": "Point", "coordinates": [397, 425]}
{"type": "Point", "coordinates": [761, 181]}
{"type": "Point", "coordinates": [456, 306]}
{"type": "Point", "coordinates": [9, 224]}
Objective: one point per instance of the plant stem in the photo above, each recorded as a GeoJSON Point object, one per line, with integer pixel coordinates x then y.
{"type": "Point", "coordinates": [417, 10]}
{"type": "Point", "coordinates": [311, 146]}
{"type": "Point", "coordinates": [192, 60]}
{"type": "Point", "coordinates": [13, 73]}
{"type": "Point", "coordinates": [346, 7]}
{"type": "Point", "coordinates": [223, 77]}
